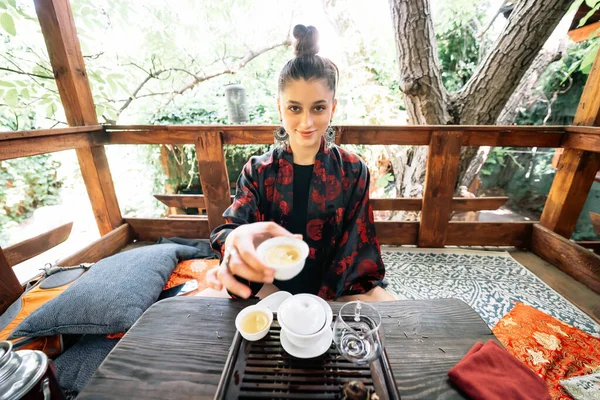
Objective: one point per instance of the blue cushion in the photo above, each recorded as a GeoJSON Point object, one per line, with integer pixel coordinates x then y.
{"type": "Point", "coordinates": [111, 296]}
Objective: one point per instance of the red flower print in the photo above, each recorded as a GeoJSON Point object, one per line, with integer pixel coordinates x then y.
{"type": "Point", "coordinates": [371, 217]}
{"type": "Point", "coordinates": [312, 253]}
{"type": "Point", "coordinates": [362, 230]}
{"type": "Point", "coordinates": [334, 187]}
{"type": "Point", "coordinates": [339, 215]}
{"type": "Point", "coordinates": [326, 293]}
{"type": "Point", "coordinates": [258, 216]}
{"type": "Point", "coordinates": [319, 170]}
{"type": "Point", "coordinates": [345, 263]}
{"type": "Point", "coordinates": [345, 183]}
{"type": "Point", "coordinates": [314, 229]}
{"type": "Point", "coordinates": [286, 172]}
{"type": "Point", "coordinates": [269, 187]}
{"type": "Point", "coordinates": [276, 196]}
{"type": "Point", "coordinates": [344, 238]}
{"type": "Point", "coordinates": [285, 207]}
{"type": "Point", "coordinates": [319, 199]}
{"type": "Point", "coordinates": [367, 267]}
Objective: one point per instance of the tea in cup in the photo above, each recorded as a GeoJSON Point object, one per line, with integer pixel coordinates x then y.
{"type": "Point", "coordinates": [254, 322]}
{"type": "Point", "coordinates": [286, 255]}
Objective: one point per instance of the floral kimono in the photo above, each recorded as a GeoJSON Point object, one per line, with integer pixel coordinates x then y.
{"type": "Point", "coordinates": [344, 256]}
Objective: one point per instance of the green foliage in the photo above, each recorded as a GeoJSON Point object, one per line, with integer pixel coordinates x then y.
{"type": "Point", "coordinates": [184, 176]}
{"type": "Point", "coordinates": [26, 184]}
{"type": "Point", "coordinates": [459, 50]}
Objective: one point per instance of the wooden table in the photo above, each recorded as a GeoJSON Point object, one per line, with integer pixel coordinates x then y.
{"type": "Point", "coordinates": [175, 352]}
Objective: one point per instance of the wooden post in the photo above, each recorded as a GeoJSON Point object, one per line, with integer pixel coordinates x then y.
{"type": "Point", "coordinates": [60, 35]}
{"type": "Point", "coordinates": [213, 176]}
{"type": "Point", "coordinates": [576, 168]}
{"type": "Point", "coordinates": [10, 288]}
{"type": "Point", "coordinates": [440, 179]}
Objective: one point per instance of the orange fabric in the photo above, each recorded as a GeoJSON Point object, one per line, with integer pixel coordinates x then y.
{"type": "Point", "coordinates": [31, 301]}
{"type": "Point", "coordinates": [549, 347]}
{"type": "Point", "coordinates": [191, 269]}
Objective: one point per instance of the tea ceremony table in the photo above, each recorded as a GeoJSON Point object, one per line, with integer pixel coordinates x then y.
{"type": "Point", "coordinates": [178, 348]}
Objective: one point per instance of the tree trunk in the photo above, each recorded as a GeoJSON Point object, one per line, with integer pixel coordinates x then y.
{"type": "Point", "coordinates": [485, 94]}
{"type": "Point", "coordinates": [420, 79]}
{"type": "Point", "coordinates": [522, 95]}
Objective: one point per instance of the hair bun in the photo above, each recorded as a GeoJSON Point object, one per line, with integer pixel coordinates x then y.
{"type": "Point", "coordinates": [307, 38]}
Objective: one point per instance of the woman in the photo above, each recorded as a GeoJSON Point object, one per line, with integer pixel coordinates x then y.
{"type": "Point", "coordinates": [308, 187]}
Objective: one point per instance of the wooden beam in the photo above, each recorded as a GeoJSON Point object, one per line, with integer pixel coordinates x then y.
{"type": "Point", "coordinates": [418, 135]}
{"type": "Point", "coordinates": [582, 138]}
{"type": "Point", "coordinates": [154, 228]}
{"type": "Point", "coordinates": [588, 110]}
{"type": "Point", "coordinates": [397, 233]}
{"type": "Point", "coordinates": [440, 179]}
{"type": "Point", "coordinates": [213, 177]}
{"type": "Point", "coordinates": [101, 191]}
{"type": "Point", "coordinates": [582, 34]}
{"type": "Point", "coordinates": [106, 246]}
{"type": "Point", "coordinates": [567, 256]}
{"type": "Point", "coordinates": [461, 204]}
{"type": "Point", "coordinates": [60, 35]}
{"type": "Point", "coordinates": [30, 248]}
{"type": "Point", "coordinates": [517, 234]}
{"type": "Point", "coordinates": [577, 168]}
{"type": "Point", "coordinates": [36, 133]}
{"type": "Point", "coordinates": [26, 147]}
{"type": "Point", "coordinates": [10, 288]}
{"type": "Point", "coordinates": [572, 182]}
{"type": "Point", "coordinates": [595, 222]}
{"type": "Point", "coordinates": [400, 204]}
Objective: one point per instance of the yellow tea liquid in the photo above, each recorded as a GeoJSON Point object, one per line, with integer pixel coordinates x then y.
{"type": "Point", "coordinates": [283, 254]}
{"type": "Point", "coordinates": [254, 322]}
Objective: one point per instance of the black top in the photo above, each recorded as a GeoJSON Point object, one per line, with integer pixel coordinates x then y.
{"type": "Point", "coordinates": [308, 280]}
{"type": "Point", "coordinates": [302, 177]}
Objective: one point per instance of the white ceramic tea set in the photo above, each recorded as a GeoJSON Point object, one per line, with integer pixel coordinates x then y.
{"type": "Point", "coordinates": [305, 319]}
{"type": "Point", "coordinates": [305, 322]}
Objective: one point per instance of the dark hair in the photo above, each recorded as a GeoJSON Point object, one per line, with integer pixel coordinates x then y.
{"type": "Point", "coordinates": [307, 64]}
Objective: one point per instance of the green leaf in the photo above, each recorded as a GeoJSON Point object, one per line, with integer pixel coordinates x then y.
{"type": "Point", "coordinates": [575, 6]}
{"type": "Point", "coordinates": [11, 98]}
{"type": "Point", "coordinates": [8, 24]}
{"type": "Point", "coordinates": [592, 3]}
{"type": "Point", "coordinates": [13, 3]}
{"type": "Point", "coordinates": [50, 110]}
{"type": "Point", "coordinates": [588, 15]}
{"type": "Point", "coordinates": [7, 84]}
{"type": "Point", "coordinates": [588, 60]}
{"type": "Point", "coordinates": [2, 5]}
{"type": "Point", "coordinates": [25, 93]}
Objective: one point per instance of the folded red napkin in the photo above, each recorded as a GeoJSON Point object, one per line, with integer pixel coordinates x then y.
{"type": "Point", "coordinates": [488, 372]}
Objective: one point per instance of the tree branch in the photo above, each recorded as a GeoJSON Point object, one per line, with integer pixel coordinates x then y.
{"type": "Point", "coordinates": [530, 24]}
{"type": "Point", "coordinates": [26, 73]}
{"type": "Point", "coordinates": [251, 55]}
{"type": "Point", "coordinates": [420, 78]}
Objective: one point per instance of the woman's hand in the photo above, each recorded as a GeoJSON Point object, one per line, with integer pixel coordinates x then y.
{"type": "Point", "coordinates": [244, 261]}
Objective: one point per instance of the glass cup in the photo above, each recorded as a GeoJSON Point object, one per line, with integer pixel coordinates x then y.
{"type": "Point", "coordinates": [356, 332]}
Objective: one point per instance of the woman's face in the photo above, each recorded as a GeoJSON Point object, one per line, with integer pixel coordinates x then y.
{"type": "Point", "coordinates": [306, 108]}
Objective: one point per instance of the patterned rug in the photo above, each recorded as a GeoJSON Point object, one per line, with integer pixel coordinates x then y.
{"type": "Point", "coordinates": [490, 282]}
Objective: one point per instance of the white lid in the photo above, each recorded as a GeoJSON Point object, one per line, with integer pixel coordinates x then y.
{"type": "Point", "coordinates": [302, 314]}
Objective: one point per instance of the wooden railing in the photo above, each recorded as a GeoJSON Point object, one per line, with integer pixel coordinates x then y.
{"type": "Point", "coordinates": [576, 171]}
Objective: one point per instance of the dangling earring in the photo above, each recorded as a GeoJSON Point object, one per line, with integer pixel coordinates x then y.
{"type": "Point", "coordinates": [282, 139]}
{"type": "Point", "coordinates": [329, 138]}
